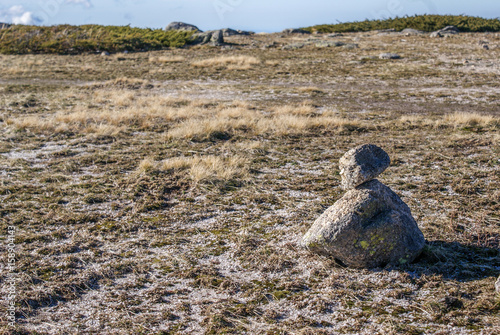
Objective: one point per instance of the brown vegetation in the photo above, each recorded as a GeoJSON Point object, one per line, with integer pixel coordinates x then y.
{"type": "Point", "coordinates": [172, 201]}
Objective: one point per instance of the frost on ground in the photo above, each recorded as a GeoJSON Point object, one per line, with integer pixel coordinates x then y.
{"type": "Point", "coordinates": [170, 198]}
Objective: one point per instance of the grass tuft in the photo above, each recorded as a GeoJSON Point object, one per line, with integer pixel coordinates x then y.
{"type": "Point", "coordinates": [215, 170]}
{"type": "Point", "coordinates": [229, 62]}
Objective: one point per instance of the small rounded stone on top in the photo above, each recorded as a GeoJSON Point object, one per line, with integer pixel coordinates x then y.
{"type": "Point", "coordinates": [362, 164]}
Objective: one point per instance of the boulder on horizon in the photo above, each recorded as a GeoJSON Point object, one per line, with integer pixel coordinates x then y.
{"type": "Point", "coordinates": [226, 32]}
{"type": "Point", "coordinates": [213, 37]}
{"type": "Point", "coordinates": [446, 31]}
{"type": "Point", "coordinates": [182, 26]}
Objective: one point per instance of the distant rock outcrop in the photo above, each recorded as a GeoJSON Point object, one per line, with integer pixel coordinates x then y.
{"type": "Point", "coordinates": [182, 26]}
{"type": "Point", "coordinates": [294, 46]}
{"type": "Point", "coordinates": [411, 32]}
{"type": "Point", "coordinates": [214, 37]}
{"type": "Point", "coordinates": [446, 31]}
{"type": "Point", "coordinates": [295, 31]}
{"type": "Point", "coordinates": [328, 44]}
{"type": "Point", "coordinates": [4, 25]}
{"type": "Point", "coordinates": [350, 46]}
{"type": "Point", "coordinates": [370, 226]}
{"type": "Point", "coordinates": [386, 31]}
{"type": "Point", "coordinates": [226, 32]}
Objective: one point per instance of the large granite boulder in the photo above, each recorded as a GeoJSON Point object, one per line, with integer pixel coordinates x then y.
{"type": "Point", "coordinates": [213, 37]}
{"type": "Point", "coordinates": [362, 164]}
{"type": "Point", "coordinates": [370, 226]}
{"type": "Point", "coordinates": [181, 26]}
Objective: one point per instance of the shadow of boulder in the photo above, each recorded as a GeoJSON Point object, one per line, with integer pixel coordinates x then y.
{"type": "Point", "coordinates": [453, 260]}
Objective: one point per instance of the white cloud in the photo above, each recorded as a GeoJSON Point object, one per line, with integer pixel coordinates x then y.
{"type": "Point", "coordinates": [18, 15]}
{"type": "Point", "coordinates": [85, 3]}
{"type": "Point", "coordinates": [15, 10]}
{"type": "Point", "coordinates": [25, 18]}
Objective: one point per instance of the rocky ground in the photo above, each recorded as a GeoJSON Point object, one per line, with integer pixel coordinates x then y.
{"type": "Point", "coordinates": [167, 192]}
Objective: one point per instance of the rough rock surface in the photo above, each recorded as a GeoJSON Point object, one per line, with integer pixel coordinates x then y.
{"type": "Point", "coordinates": [450, 30]}
{"type": "Point", "coordinates": [182, 26]}
{"type": "Point", "coordinates": [497, 285]}
{"type": "Point", "coordinates": [214, 37]}
{"type": "Point", "coordinates": [362, 164]}
{"type": "Point", "coordinates": [226, 32]}
{"type": "Point", "coordinates": [411, 32]}
{"type": "Point", "coordinates": [370, 226]}
{"type": "Point", "coordinates": [328, 44]}
{"type": "Point", "coordinates": [294, 46]}
{"type": "Point", "coordinates": [351, 46]}
{"type": "Point", "coordinates": [389, 56]}
{"type": "Point", "coordinates": [446, 31]}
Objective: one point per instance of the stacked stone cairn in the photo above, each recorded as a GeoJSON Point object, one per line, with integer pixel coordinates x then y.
{"type": "Point", "coordinates": [370, 226]}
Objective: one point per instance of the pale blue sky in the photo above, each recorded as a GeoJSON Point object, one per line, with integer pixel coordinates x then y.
{"type": "Point", "coordinates": [256, 15]}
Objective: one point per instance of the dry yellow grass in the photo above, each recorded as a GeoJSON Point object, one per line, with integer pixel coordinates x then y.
{"type": "Point", "coordinates": [230, 62]}
{"type": "Point", "coordinates": [413, 120]}
{"type": "Point", "coordinates": [120, 110]}
{"type": "Point", "coordinates": [14, 70]}
{"type": "Point", "coordinates": [123, 109]}
{"type": "Point", "coordinates": [124, 98]}
{"type": "Point", "coordinates": [201, 169]}
{"type": "Point", "coordinates": [302, 110]}
{"type": "Point", "coordinates": [471, 119]}
{"type": "Point", "coordinates": [167, 59]}
{"type": "Point", "coordinates": [310, 89]}
{"type": "Point", "coordinates": [123, 82]}
{"type": "Point", "coordinates": [458, 119]}
{"type": "Point", "coordinates": [199, 120]}
{"type": "Point", "coordinates": [214, 168]}
{"type": "Point", "coordinates": [146, 165]}
{"type": "Point", "coordinates": [33, 123]}
{"type": "Point", "coordinates": [236, 113]}
{"type": "Point", "coordinates": [87, 68]}
{"type": "Point", "coordinates": [272, 62]}
{"type": "Point", "coordinates": [282, 125]}
{"type": "Point", "coordinates": [207, 128]}
{"type": "Point", "coordinates": [250, 146]}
